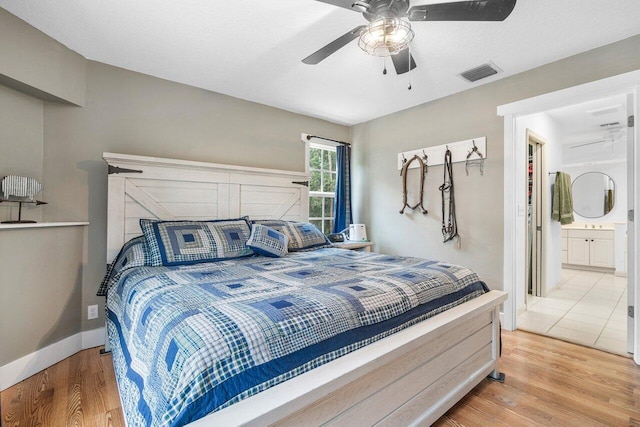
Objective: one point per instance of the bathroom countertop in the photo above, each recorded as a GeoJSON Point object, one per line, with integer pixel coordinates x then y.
{"type": "Point", "coordinates": [589, 226]}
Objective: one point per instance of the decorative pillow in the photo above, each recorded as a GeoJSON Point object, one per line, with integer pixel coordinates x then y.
{"type": "Point", "coordinates": [303, 236]}
{"type": "Point", "coordinates": [134, 253]}
{"type": "Point", "coordinates": [191, 242]}
{"type": "Point", "coordinates": [268, 241]}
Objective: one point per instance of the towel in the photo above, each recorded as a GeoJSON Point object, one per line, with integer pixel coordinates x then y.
{"type": "Point", "coordinates": [562, 207]}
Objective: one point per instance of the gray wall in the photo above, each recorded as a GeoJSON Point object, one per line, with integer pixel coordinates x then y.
{"type": "Point", "coordinates": [127, 112]}
{"type": "Point", "coordinates": [479, 199]}
{"type": "Point", "coordinates": [41, 292]}
{"type": "Point", "coordinates": [37, 64]}
{"type": "Point", "coordinates": [21, 138]}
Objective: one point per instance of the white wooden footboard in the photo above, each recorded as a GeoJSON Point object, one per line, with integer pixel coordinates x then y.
{"type": "Point", "coordinates": [410, 378]}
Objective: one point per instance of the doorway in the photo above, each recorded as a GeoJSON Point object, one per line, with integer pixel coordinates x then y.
{"type": "Point", "coordinates": [579, 299]}
{"type": "Point", "coordinates": [515, 184]}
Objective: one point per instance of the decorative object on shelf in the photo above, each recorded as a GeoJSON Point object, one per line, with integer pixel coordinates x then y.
{"type": "Point", "coordinates": [20, 186]}
{"type": "Point", "coordinates": [423, 173]}
{"type": "Point", "coordinates": [474, 162]}
{"type": "Point", "coordinates": [449, 223]}
{"type": "Point", "coordinates": [20, 190]}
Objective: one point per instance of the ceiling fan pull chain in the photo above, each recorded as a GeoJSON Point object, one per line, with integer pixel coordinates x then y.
{"type": "Point", "coordinates": [384, 70]}
{"type": "Point", "coordinates": [409, 73]}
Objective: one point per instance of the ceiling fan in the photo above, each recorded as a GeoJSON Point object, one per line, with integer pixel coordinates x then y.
{"type": "Point", "coordinates": [389, 31]}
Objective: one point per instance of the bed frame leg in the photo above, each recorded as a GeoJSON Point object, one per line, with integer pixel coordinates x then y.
{"type": "Point", "coordinates": [107, 346]}
{"type": "Point", "coordinates": [496, 375]}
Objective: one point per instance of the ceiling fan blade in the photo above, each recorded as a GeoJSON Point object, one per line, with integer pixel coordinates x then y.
{"type": "Point", "coordinates": [333, 47]}
{"type": "Point", "coordinates": [485, 10]}
{"type": "Point", "coordinates": [346, 4]}
{"type": "Point", "coordinates": [401, 61]}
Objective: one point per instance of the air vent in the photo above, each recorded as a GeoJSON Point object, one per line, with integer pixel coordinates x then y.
{"type": "Point", "coordinates": [481, 72]}
{"type": "Point", "coordinates": [610, 125]}
{"type": "Point", "coordinates": [606, 110]}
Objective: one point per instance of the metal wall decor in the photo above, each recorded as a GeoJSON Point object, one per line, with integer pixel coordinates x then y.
{"type": "Point", "coordinates": [423, 173]}
{"type": "Point", "coordinates": [449, 222]}
{"type": "Point", "coordinates": [477, 161]}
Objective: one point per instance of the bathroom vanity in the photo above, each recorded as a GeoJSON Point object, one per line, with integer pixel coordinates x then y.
{"type": "Point", "coordinates": [588, 247]}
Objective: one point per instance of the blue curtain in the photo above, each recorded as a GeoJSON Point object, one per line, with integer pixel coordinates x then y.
{"type": "Point", "coordinates": [342, 216]}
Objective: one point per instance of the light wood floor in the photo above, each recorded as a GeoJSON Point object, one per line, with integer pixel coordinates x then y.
{"type": "Point", "coordinates": [549, 383]}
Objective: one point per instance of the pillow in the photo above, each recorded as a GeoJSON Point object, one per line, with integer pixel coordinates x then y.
{"type": "Point", "coordinates": [134, 253]}
{"type": "Point", "coordinates": [191, 242]}
{"type": "Point", "coordinates": [303, 236]}
{"type": "Point", "coordinates": [267, 241]}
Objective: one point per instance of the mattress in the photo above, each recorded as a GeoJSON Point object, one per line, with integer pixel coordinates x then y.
{"type": "Point", "coordinates": [191, 340]}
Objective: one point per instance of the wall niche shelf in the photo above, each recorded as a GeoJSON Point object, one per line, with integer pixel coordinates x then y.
{"type": "Point", "coordinates": [42, 225]}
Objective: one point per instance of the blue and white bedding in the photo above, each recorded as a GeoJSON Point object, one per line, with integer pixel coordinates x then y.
{"type": "Point", "coordinates": [190, 340]}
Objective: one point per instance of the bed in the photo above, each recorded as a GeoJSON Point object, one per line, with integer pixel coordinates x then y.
{"type": "Point", "coordinates": [404, 353]}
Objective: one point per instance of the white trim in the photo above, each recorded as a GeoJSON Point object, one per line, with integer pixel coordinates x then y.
{"type": "Point", "coordinates": [130, 160]}
{"type": "Point", "coordinates": [42, 225]}
{"type": "Point", "coordinates": [18, 370]}
{"type": "Point", "coordinates": [93, 338]}
{"type": "Point", "coordinates": [513, 234]}
{"type": "Point", "coordinates": [616, 85]}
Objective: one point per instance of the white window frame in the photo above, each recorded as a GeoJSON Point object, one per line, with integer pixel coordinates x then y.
{"type": "Point", "coordinates": [323, 194]}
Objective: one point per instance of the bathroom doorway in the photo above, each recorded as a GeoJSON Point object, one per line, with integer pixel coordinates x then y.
{"type": "Point", "coordinates": [575, 284]}
{"type": "Point", "coordinates": [515, 157]}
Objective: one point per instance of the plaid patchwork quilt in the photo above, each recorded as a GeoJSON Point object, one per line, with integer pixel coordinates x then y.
{"type": "Point", "coordinates": [190, 340]}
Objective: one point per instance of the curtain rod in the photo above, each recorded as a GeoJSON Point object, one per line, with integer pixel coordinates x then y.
{"type": "Point", "coordinates": [327, 139]}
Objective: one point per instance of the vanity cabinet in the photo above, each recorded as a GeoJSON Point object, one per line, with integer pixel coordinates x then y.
{"type": "Point", "coordinates": [589, 247]}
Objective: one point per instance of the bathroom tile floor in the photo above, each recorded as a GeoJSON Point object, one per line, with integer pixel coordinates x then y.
{"type": "Point", "coordinates": [587, 308]}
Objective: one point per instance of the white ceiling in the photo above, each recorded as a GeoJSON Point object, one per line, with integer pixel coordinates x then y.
{"type": "Point", "coordinates": [584, 140]}
{"type": "Point", "coordinates": [252, 49]}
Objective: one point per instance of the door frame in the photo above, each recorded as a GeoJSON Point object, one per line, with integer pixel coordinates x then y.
{"type": "Point", "coordinates": [515, 181]}
{"type": "Point", "coordinates": [541, 208]}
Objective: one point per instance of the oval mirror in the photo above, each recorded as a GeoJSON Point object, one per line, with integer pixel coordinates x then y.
{"type": "Point", "coordinates": [593, 194]}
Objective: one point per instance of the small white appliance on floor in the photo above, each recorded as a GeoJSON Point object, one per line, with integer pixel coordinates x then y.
{"type": "Point", "coordinates": [357, 232]}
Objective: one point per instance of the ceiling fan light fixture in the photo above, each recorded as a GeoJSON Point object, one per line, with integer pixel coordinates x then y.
{"type": "Point", "coordinates": [386, 36]}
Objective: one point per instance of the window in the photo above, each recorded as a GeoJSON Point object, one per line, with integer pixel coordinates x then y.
{"type": "Point", "coordinates": [322, 187]}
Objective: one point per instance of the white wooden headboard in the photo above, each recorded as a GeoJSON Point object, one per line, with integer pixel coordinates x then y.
{"type": "Point", "coordinates": [167, 189]}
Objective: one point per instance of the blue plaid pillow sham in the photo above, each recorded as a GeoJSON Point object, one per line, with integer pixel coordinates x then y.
{"type": "Point", "coordinates": [134, 253]}
{"type": "Point", "coordinates": [303, 236]}
{"type": "Point", "coordinates": [191, 242]}
{"type": "Point", "coordinates": [268, 241]}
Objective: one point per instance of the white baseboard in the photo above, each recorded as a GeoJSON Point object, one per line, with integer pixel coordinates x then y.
{"type": "Point", "coordinates": [93, 338]}
{"type": "Point", "coordinates": [14, 372]}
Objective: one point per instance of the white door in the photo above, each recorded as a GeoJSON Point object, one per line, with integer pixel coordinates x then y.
{"type": "Point", "coordinates": [631, 260]}
{"type": "Point", "coordinates": [578, 250]}
{"type": "Point", "coordinates": [601, 253]}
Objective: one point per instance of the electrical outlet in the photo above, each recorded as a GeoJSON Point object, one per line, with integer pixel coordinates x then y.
{"type": "Point", "coordinates": [92, 312]}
